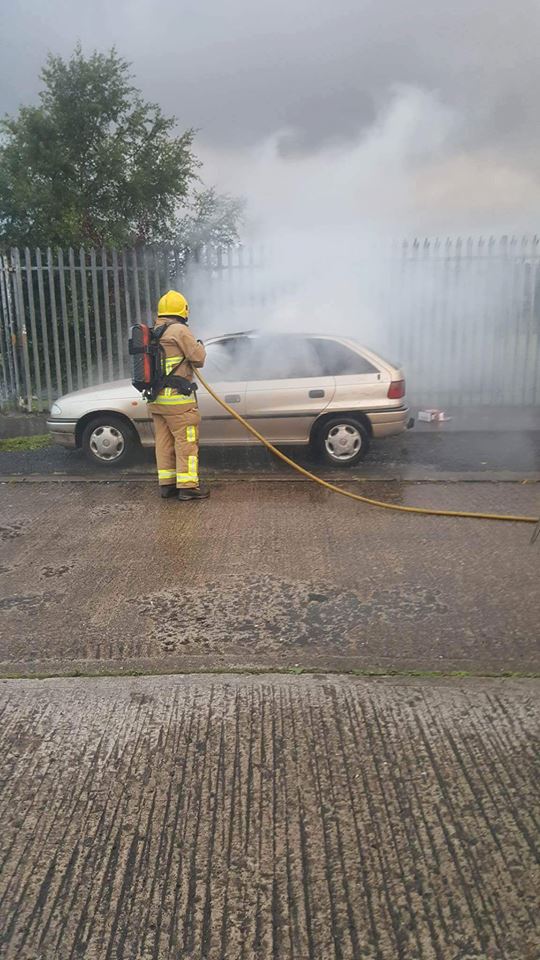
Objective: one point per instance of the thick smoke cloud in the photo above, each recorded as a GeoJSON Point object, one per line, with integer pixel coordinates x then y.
{"type": "Point", "coordinates": [304, 91]}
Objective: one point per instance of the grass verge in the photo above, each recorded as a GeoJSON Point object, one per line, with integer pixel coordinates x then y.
{"type": "Point", "coordinates": [14, 444]}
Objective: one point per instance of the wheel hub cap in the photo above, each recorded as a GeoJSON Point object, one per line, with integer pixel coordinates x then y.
{"type": "Point", "coordinates": [107, 443]}
{"type": "Point", "coordinates": [343, 441]}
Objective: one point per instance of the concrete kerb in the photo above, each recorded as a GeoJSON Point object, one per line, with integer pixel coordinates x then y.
{"type": "Point", "coordinates": [438, 478]}
{"type": "Point", "coordinates": [20, 671]}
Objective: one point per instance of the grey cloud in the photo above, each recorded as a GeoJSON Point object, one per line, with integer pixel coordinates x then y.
{"type": "Point", "coordinates": [241, 71]}
{"type": "Point", "coordinates": [421, 115]}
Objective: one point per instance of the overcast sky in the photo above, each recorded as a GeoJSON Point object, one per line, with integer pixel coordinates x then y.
{"type": "Point", "coordinates": [425, 110]}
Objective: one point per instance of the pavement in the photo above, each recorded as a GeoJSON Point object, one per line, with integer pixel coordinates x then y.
{"type": "Point", "coordinates": [246, 818]}
{"type": "Point", "coordinates": [316, 811]}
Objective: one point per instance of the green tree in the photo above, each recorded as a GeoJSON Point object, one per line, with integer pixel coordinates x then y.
{"type": "Point", "coordinates": [209, 217]}
{"type": "Point", "coordinates": [93, 163]}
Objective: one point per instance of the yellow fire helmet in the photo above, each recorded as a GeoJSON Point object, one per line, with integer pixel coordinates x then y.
{"type": "Point", "coordinates": [173, 304]}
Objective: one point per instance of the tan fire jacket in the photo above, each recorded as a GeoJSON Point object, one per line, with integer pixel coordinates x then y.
{"type": "Point", "coordinates": [181, 348]}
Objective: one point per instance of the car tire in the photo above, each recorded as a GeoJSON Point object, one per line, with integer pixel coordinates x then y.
{"type": "Point", "coordinates": [342, 441]}
{"type": "Point", "coordinates": [108, 441]}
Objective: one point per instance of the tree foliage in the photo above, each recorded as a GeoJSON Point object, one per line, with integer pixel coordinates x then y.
{"type": "Point", "coordinates": [210, 217]}
{"type": "Point", "coordinates": [93, 163]}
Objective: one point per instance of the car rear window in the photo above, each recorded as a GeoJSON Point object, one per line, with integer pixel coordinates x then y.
{"type": "Point", "coordinates": [390, 363]}
{"type": "Point", "coordinates": [337, 360]}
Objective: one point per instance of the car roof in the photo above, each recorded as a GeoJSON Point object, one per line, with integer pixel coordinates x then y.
{"type": "Point", "coordinates": [277, 333]}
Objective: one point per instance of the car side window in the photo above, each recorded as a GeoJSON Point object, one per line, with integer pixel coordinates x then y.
{"type": "Point", "coordinates": [284, 358]}
{"type": "Point", "coordinates": [228, 359]}
{"type": "Point", "coordinates": [337, 360]}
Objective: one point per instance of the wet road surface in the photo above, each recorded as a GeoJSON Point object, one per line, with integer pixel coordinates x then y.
{"type": "Point", "coordinates": [262, 818]}
{"type": "Point", "coordinates": [265, 574]}
{"type": "Point", "coordinates": [413, 455]}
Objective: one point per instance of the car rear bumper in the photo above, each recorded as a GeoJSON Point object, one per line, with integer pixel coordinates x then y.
{"type": "Point", "coordinates": [388, 423]}
{"type": "Point", "coordinates": [63, 432]}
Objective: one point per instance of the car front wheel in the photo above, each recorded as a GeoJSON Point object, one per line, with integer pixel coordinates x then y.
{"type": "Point", "coordinates": [343, 441]}
{"type": "Point", "coordinates": [108, 441]}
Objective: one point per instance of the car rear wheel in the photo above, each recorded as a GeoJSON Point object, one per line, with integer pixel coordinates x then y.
{"type": "Point", "coordinates": [108, 441]}
{"type": "Point", "coordinates": [343, 441]}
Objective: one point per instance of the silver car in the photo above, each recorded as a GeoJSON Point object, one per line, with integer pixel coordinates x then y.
{"type": "Point", "coordinates": [323, 391]}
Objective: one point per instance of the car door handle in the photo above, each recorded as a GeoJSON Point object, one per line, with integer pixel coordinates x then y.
{"type": "Point", "coordinates": [233, 398]}
{"type": "Point", "coordinates": [316, 394]}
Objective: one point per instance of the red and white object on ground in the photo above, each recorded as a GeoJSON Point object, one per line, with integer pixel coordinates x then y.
{"type": "Point", "coordinates": [432, 415]}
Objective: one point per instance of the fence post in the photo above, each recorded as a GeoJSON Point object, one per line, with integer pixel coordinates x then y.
{"type": "Point", "coordinates": [157, 285]}
{"type": "Point", "coordinates": [97, 323]}
{"type": "Point", "coordinates": [107, 311]}
{"type": "Point", "coordinates": [120, 345]}
{"type": "Point", "coordinates": [535, 353]}
{"type": "Point", "coordinates": [75, 309]}
{"type": "Point", "coordinates": [125, 276]}
{"type": "Point", "coordinates": [6, 385]}
{"type": "Point", "coordinates": [442, 333]}
{"type": "Point", "coordinates": [65, 325]}
{"type": "Point", "coordinates": [54, 318]}
{"type": "Point", "coordinates": [35, 344]}
{"type": "Point", "coordinates": [136, 292]}
{"type": "Point", "coordinates": [529, 353]}
{"type": "Point", "coordinates": [86, 319]}
{"type": "Point", "coordinates": [21, 325]}
{"type": "Point", "coordinates": [44, 327]}
{"type": "Point", "coordinates": [12, 371]}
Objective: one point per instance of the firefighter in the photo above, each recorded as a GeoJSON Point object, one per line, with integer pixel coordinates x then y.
{"type": "Point", "coordinates": [176, 416]}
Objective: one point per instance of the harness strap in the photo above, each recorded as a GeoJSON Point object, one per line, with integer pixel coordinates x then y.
{"type": "Point", "coordinates": [182, 384]}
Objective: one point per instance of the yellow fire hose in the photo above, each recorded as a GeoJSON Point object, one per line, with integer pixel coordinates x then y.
{"type": "Point", "coordinates": [426, 511]}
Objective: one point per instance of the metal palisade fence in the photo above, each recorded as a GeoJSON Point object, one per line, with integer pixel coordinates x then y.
{"type": "Point", "coordinates": [65, 316]}
{"type": "Point", "coordinates": [463, 316]}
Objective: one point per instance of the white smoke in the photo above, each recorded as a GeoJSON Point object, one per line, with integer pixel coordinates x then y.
{"type": "Point", "coordinates": [328, 223]}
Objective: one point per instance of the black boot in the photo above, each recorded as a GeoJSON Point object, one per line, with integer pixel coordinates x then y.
{"type": "Point", "coordinates": [167, 492]}
{"type": "Point", "coordinates": [195, 493]}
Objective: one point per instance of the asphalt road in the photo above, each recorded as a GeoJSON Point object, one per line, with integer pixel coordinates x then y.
{"type": "Point", "coordinates": [292, 818]}
{"type": "Point", "coordinates": [413, 455]}
{"type": "Point", "coordinates": [265, 574]}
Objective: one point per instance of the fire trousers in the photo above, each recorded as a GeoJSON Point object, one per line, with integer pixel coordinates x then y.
{"type": "Point", "coordinates": [176, 430]}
